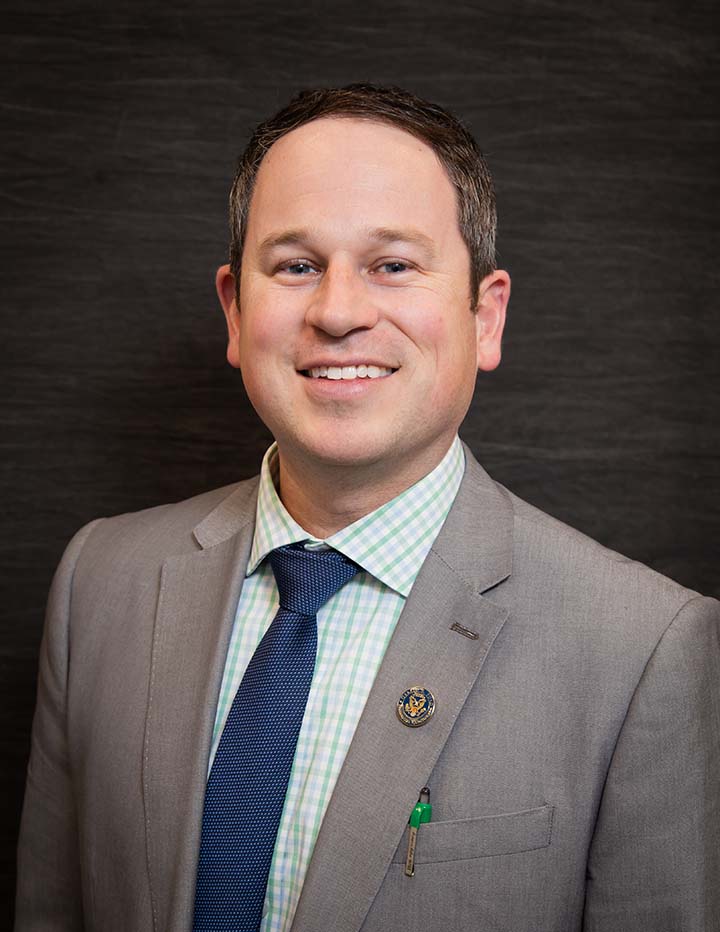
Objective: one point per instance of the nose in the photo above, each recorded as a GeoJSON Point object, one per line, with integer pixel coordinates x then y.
{"type": "Point", "coordinates": [341, 302]}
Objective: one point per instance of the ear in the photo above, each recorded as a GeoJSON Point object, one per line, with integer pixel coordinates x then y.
{"type": "Point", "coordinates": [225, 287]}
{"type": "Point", "coordinates": [493, 297]}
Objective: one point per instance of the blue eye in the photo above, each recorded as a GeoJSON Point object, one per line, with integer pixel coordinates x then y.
{"type": "Point", "coordinates": [297, 268]}
{"type": "Point", "coordinates": [395, 266]}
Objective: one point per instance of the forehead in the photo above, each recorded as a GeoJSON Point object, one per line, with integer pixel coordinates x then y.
{"type": "Point", "coordinates": [338, 136]}
{"type": "Point", "coordinates": [356, 171]}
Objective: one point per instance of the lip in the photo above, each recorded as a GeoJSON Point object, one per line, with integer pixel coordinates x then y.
{"type": "Point", "coordinates": [343, 388]}
{"type": "Point", "coordinates": [339, 364]}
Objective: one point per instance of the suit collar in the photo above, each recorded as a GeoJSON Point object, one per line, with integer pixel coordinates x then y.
{"type": "Point", "coordinates": [482, 513]}
{"type": "Point", "coordinates": [230, 517]}
{"type": "Point", "coordinates": [476, 541]}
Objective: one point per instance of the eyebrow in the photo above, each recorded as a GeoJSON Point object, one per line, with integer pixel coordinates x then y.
{"type": "Point", "coordinates": [303, 237]}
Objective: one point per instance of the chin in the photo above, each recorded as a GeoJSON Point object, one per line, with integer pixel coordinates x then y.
{"type": "Point", "coordinates": [344, 448]}
{"type": "Point", "coordinates": [346, 456]}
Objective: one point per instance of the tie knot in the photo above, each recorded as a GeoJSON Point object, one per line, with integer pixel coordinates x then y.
{"type": "Point", "coordinates": [306, 579]}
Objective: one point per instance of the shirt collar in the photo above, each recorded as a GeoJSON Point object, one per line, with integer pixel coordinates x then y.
{"type": "Point", "coordinates": [391, 543]}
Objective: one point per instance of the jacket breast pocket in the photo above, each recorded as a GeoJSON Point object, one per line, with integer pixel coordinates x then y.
{"type": "Point", "coordinates": [488, 836]}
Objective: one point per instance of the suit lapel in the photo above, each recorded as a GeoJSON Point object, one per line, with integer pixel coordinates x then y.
{"type": "Point", "coordinates": [387, 763]}
{"type": "Point", "coordinates": [196, 607]}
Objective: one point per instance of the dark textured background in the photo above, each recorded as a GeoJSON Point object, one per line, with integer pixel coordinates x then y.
{"type": "Point", "coordinates": [120, 133]}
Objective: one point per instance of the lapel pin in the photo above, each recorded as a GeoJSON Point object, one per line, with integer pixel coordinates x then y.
{"type": "Point", "coordinates": [416, 706]}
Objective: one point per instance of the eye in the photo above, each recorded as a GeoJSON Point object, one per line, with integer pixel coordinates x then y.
{"type": "Point", "coordinates": [394, 267]}
{"type": "Point", "coordinates": [297, 268]}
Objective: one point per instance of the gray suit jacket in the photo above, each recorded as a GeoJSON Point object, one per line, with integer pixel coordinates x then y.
{"type": "Point", "coordinates": [573, 759]}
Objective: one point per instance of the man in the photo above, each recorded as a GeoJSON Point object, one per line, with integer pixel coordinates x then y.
{"type": "Point", "coordinates": [555, 703]}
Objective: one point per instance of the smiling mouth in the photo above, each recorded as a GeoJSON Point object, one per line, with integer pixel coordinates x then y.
{"type": "Point", "coordinates": [347, 373]}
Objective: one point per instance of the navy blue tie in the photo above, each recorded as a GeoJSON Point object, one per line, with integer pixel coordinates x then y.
{"type": "Point", "coordinates": [249, 776]}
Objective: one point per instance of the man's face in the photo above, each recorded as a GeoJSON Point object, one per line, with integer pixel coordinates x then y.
{"type": "Point", "coordinates": [354, 330]}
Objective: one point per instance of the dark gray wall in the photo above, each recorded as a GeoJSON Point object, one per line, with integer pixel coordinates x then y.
{"type": "Point", "coordinates": [120, 135]}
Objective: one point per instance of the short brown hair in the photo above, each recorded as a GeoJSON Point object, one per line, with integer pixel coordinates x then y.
{"type": "Point", "coordinates": [444, 133]}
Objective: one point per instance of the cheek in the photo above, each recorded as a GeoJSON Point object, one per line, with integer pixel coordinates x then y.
{"type": "Point", "coordinates": [258, 334]}
{"type": "Point", "coordinates": [266, 319]}
{"type": "Point", "coordinates": [423, 322]}
{"type": "Point", "coordinates": [259, 347]}
{"type": "Point", "coordinates": [455, 363]}
{"type": "Point", "coordinates": [438, 320]}
{"type": "Point", "coordinates": [448, 338]}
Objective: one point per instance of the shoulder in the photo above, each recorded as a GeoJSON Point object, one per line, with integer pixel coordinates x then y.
{"type": "Point", "coordinates": [153, 534]}
{"type": "Point", "coordinates": [559, 580]}
{"type": "Point", "coordinates": [604, 596]}
{"type": "Point", "coordinates": [552, 546]}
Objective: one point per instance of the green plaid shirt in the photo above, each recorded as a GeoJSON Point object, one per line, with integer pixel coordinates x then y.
{"type": "Point", "coordinates": [354, 629]}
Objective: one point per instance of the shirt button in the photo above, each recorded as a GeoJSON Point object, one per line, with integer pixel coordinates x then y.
{"type": "Point", "coordinates": [266, 907]}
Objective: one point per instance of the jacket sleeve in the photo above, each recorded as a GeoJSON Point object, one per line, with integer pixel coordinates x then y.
{"type": "Point", "coordinates": [49, 895]}
{"type": "Point", "coordinates": [654, 862]}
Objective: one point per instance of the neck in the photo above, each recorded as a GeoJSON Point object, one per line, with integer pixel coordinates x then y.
{"type": "Point", "coordinates": [325, 497]}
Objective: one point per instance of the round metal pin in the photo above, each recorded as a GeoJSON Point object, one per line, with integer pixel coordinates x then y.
{"type": "Point", "coordinates": [416, 706]}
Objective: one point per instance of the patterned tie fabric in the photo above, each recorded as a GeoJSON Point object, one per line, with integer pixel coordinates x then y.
{"type": "Point", "coordinates": [249, 776]}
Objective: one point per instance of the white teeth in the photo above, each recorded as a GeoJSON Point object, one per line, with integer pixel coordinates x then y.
{"type": "Point", "coordinates": [349, 373]}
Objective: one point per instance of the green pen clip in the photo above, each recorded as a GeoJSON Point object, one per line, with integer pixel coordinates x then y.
{"type": "Point", "coordinates": [422, 812]}
{"type": "Point", "coordinates": [423, 809]}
